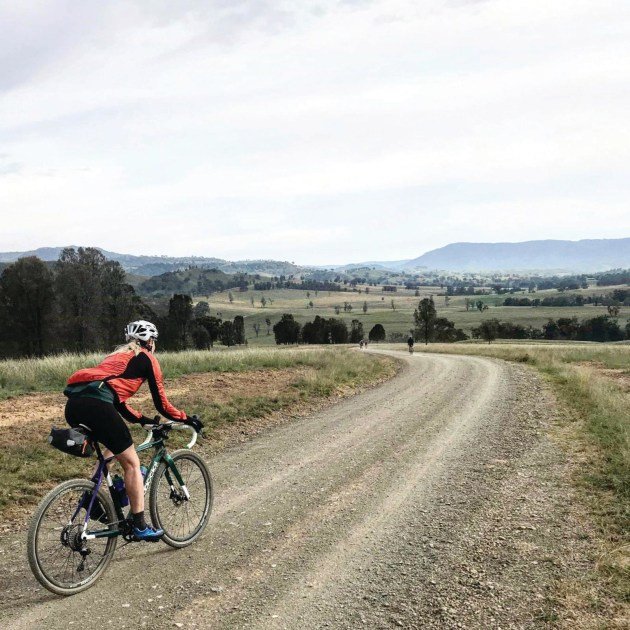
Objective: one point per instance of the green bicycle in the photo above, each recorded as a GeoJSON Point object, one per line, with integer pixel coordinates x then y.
{"type": "Point", "coordinates": [74, 531]}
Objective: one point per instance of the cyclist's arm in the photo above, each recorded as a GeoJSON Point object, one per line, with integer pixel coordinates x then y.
{"type": "Point", "coordinates": [155, 380]}
{"type": "Point", "coordinates": [130, 414]}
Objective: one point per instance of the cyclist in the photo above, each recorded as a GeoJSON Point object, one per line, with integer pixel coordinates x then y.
{"type": "Point", "coordinates": [97, 398]}
{"type": "Point", "coordinates": [410, 343]}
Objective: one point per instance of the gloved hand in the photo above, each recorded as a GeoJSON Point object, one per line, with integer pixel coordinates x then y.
{"type": "Point", "coordinates": [195, 423]}
{"type": "Point", "coordinates": [144, 420]}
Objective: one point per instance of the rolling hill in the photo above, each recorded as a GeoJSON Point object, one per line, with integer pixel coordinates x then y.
{"type": "Point", "coordinates": [549, 255]}
{"type": "Point", "coordinates": [590, 255]}
{"type": "Point", "coordinates": [157, 265]}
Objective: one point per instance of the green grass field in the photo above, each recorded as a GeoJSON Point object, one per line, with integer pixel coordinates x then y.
{"type": "Point", "coordinates": [397, 320]}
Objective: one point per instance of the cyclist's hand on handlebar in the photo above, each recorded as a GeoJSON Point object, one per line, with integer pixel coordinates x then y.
{"type": "Point", "coordinates": [194, 422]}
{"type": "Point", "coordinates": [144, 420]}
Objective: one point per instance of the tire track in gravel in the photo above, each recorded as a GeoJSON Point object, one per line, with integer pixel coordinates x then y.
{"type": "Point", "coordinates": [399, 507]}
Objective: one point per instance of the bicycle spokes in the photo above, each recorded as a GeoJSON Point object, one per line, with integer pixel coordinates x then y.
{"type": "Point", "coordinates": [181, 501]}
{"type": "Point", "coordinates": [61, 557]}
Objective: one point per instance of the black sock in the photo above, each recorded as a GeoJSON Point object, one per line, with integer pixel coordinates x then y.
{"type": "Point", "coordinates": [138, 520]}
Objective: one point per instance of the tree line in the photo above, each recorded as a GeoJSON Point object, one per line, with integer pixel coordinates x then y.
{"type": "Point", "coordinates": [304, 285]}
{"type": "Point", "coordinates": [187, 326]}
{"type": "Point", "coordinates": [81, 303]}
{"type": "Point", "coordinates": [564, 300]}
{"type": "Point", "coordinates": [323, 330]}
{"type": "Point", "coordinates": [602, 328]}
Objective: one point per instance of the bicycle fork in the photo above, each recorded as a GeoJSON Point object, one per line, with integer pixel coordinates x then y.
{"type": "Point", "coordinates": [171, 467]}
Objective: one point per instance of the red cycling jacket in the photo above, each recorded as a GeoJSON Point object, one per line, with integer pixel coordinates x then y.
{"type": "Point", "coordinates": [124, 373]}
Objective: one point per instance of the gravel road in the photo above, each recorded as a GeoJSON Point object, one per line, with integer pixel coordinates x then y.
{"type": "Point", "coordinates": [435, 500]}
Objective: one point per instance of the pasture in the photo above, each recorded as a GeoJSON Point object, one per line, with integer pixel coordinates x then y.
{"type": "Point", "coordinates": [398, 319]}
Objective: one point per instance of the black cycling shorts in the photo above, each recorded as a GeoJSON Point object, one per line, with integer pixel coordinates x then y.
{"type": "Point", "coordinates": [103, 419]}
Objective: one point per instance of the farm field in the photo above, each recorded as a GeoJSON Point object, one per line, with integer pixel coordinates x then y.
{"type": "Point", "coordinates": [379, 308]}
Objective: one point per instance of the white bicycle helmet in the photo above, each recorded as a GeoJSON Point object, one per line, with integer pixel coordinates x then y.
{"type": "Point", "coordinates": [140, 330]}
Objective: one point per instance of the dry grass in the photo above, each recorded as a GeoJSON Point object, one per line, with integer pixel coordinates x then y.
{"type": "Point", "coordinates": [234, 392]}
{"type": "Point", "coordinates": [50, 373]}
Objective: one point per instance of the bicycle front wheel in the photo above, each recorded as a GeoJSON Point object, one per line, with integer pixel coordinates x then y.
{"type": "Point", "coordinates": [59, 559]}
{"type": "Point", "coordinates": [182, 518]}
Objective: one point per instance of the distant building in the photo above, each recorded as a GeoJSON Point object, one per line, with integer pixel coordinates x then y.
{"type": "Point", "coordinates": [390, 288]}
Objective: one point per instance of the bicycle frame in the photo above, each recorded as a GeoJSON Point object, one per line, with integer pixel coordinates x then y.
{"type": "Point", "coordinates": [102, 472]}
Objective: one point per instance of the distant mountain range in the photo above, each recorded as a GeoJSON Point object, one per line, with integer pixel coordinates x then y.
{"type": "Point", "coordinates": [157, 265]}
{"type": "Point", "coordinates": [589, 255]}
{"type": "Point", "coordinates": [545, 256]}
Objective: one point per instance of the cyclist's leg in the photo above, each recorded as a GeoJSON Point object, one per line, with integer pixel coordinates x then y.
{"type": "Point", "coordinates": [133, 478]}
{"type": "Point", "coordinates": [134, 484]}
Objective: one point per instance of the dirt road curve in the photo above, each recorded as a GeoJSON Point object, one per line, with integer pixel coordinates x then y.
{"type": "Point", "coordinates": [432, 501]}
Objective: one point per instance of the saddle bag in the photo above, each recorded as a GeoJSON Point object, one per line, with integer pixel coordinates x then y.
{"type": "Point", "coordinates": [71, 441]}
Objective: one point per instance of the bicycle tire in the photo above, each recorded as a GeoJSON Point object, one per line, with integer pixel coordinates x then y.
{"type": "Point", "coordinates": [42, 569]}
{"type": "Point", "coordinates": [167, 513]}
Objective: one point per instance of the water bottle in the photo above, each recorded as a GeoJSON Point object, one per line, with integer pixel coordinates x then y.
{"type": "Point", "coordinates": [119, 487]}
{"type": "Point", "coordinates": [143, 471]}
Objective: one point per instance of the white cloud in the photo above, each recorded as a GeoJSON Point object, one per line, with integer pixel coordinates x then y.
{"type": "Point", "coordinates": [239, 128]}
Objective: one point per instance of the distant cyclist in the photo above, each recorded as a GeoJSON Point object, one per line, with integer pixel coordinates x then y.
{"type": "Point", "coordinates": [97, 399]}
{"type": "Point", "coordinates": [361, 344]}
{"type": "Point", "coordinates": [410, 344]}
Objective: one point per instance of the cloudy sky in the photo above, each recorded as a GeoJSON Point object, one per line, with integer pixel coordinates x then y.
{"type": "Point", "coordinates": [320, 132]}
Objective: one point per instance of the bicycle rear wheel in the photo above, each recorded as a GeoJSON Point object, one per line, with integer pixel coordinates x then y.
{"type": "Point", "coordinates": [183, 520]}
{"type": "Point", "coordinates": [54, 544]}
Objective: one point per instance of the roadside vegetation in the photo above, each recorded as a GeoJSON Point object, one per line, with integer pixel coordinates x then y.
{"type": "Point", "coordinates": [593, 383]}
{"type": "Point", "coordinates": [18, 376]}
{"type": "Point", "coordinates": [227, 389]}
